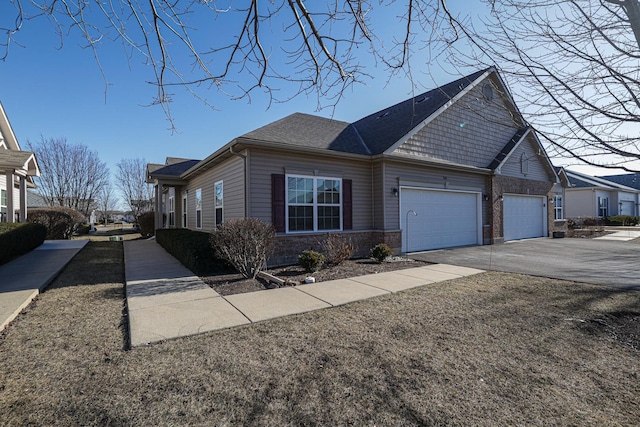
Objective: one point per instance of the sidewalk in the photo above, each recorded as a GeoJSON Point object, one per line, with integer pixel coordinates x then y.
{"type": "Point", "coordinates": [22, 279]}
{"type": "Point", "coordinates": [165, 300]}
{"type": "Point", "coordinates": [622, 234]}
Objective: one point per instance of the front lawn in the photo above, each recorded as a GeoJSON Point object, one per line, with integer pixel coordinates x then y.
{"type": "Point", "coordinates": [490, 349]}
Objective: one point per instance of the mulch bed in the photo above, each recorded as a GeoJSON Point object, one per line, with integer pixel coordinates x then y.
{"type": "Point", "coordinates": [229, 284]}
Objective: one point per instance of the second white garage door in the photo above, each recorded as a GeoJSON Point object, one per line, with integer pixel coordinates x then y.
{"type": "Point", "coordinates": [524, 217]}
{"type": "Point", "coordinates": [444, 219]}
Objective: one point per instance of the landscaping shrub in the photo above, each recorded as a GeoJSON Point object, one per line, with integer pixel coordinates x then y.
{"type": "Point", "coordinates": [581, 222]}
{"type": "Point", "coordinates": [146, 224]}
{"type": "Point", "coordinates": [246, 243]}
{"type": "Point", "coordinates": [19, 238]}
{"type": "Point", "coordinates": [337, 249]}
{"type": "Point", "coordinates": [311, 261]}
{"type": "Point", "coordinates": [191, 248]}
{"type": "Point", "coordinates": [60, 222]}
{"type": "Point", "coordinates": [381, 252]}
{"type": "Point", "coordinates": [622, 220]}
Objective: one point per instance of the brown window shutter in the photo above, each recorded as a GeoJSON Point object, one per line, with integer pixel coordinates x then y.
{"type": "Point", "coordinates": [278, 204]}
{"type": "Point", "coordinates": [347, 205]}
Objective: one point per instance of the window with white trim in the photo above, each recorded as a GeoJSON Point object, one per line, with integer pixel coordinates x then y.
{"type": "Point", "coordinates": [314, 203]}
{"type": "Point", "coordinates": [199, 208]}
{"type": "Point", "coordinates": [184, 210]}
{"type": "Point", "coordinates": [3, 205]}
{"type": "Point", "coordinates": [218, 202]}
{"type": "Point", "coordinates": [172, 211]}
{"type": "Point", "coordinates": [603, 206]}
{"type": "Point", "coordinates": [557, 207]}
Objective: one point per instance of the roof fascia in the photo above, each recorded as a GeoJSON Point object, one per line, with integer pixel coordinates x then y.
{"type": "Point", "coordinates": [7, 130]}
{"type": "Point", "coordinates": [439, 111]}
{"type": "Point", "coordinates": [440, 165]}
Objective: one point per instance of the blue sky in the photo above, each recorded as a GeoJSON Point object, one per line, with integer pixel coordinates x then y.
{"type": "Point", "coordinates": [60, 92]}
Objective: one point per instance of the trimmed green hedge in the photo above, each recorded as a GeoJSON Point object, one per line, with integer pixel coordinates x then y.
{"type": "Point", "coordinates": [622, 220]}
{"type": "Point", "coordinates": [192, 249]}
{"type": "Point", "coordinates": [19, 238]}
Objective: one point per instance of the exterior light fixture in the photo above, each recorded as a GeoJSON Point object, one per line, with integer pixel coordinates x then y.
{"type": "Point", "coordinates": [395, 192]}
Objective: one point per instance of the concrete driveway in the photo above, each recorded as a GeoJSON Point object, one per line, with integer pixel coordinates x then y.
{"type": "Point", "coordinates": [600, 262]}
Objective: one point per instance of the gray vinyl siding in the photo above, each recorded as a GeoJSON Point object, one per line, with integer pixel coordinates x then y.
{"type": "Point", "coordinates": [580, 203]}
{"type": "Point", "coordinates": [536, 169]}
{"type": "Point", "coordinates": [231, 172]}
{"type": "Point", "coordinates": [264, 163]}
{"type": "Point", "coordinates": [469, 132]}
{"type": "Point", "coordinates": [398, 174]}
{"type": "Point", "coordinates": [378, 196]}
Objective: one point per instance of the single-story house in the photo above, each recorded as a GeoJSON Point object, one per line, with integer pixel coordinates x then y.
{"type": "Point", "coordinates": [455, 166]}
{"type": "Point", "coordinates": [591, 196]}
{"type": "Point", "coordinates": [17, 169]}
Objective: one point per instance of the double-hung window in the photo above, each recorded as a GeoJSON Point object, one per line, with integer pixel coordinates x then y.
{"type": "Point", "coordinates": [219, 202]}
{"type": "Point", "coordinates": [603, 206]}
{"type": "Point", "coordinates": [314, 203]}
{"type": "Point", "coordinates": [184, 210]}
{"type": "Point", "coordinates": [3, 205]}
{"type": "Point", "coordinates": [199, 208]}
{"type": "Point", "coordinates": [172, 211]}
{"type": "Point", "coordinates": [557, 207]}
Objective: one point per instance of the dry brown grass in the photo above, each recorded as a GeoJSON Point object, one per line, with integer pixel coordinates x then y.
{"type": "Point", "coordinates": [491, 349]}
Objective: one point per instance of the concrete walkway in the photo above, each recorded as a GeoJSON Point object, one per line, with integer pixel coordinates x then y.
{"type": "Point", "coordinates": [166, 300]}
{"type": "Point", "coordinates": [22, 279]}
{"type": "Point", "coordinates": [621, 234]}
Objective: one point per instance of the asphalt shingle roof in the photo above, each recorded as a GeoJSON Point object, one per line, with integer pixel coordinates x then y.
{"type": "Point", "coordinates": [175, 169]}
{"type": "Point", "coordinates": [628, 179]}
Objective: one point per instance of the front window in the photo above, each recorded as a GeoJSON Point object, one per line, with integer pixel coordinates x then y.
{"type": "Point", "coordinates": [198, 208]}
{"type": "Point", "coordinates": [557, 207]}
{"type": "Point", "coordinates": [603, 206]}
{"type": "Point", "coordinates": [218, 201]}
{"type": "Point", "coordinates": [3, 205]}
{"type": "Point", "coordinates": [172, 211]}
{"type": "Point", "coordinates": [314, 204]}
{"type": "Point", "coordinates": [184, 210]}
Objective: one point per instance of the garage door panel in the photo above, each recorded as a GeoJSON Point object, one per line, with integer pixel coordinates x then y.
{"type": "Point", "coordinates": [444, 219]}
{"type": "Point", "coordinates": [523, 217]}
{"type": "Point", "coordinates": [628, 207]}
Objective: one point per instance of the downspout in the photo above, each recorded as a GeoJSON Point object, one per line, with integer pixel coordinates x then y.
{"type": "Point", "coordinates": [246, 179]}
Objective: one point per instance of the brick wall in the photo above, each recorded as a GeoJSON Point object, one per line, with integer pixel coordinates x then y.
{"type": "Point", "coordinates": [502, 185]}
{"type": "Point", "coordinates": [290, 246]}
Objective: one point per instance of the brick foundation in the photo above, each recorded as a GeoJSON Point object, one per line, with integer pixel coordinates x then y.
{"type": "Point", "coordinates": [290, 246]}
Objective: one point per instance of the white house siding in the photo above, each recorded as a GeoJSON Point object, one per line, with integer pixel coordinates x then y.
{"type": "Point", "coordinates": [536, 170]}
{"type": "Point", "coordinates": [264, 163]}
{"type": "Point", "coordinates": [401, 174]}
{"type": "Point", "coordinates": [231, 172]}
{"type": "Point", "coordinates": [469, 132]}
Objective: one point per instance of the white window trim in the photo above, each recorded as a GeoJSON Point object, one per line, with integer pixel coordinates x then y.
{"type": "Point", "coordinates": [314, 204]}
{"type": "Point", "coordinates": [172, 211]}
{"type": "Point", "coordinates": [557, 208]}
{"type": "Point", "coordinates": [3, 218]}
{"type": "Point", "coordinates": [199, 209]}
{"type": "Point", "coordinates": [215, 202]}
{"type": "Point", "coordinates": [185, 204]}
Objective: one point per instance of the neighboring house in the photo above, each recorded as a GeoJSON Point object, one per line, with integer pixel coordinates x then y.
{"type": "Point", "coordinates": [628, 179]}
{"type": "Point", "coordinates": [591, 196]}
{"type": "Point", "coordinates": [455, 166]}
{"type": "Point", "coordinates": [35, 200]}
{"type": "Point", "coordinates": [17, 169]}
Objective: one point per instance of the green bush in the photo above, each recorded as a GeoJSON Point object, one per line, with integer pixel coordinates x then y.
{"type": "Point", "coordinates": [60, 222]}
{"type": "Point", "coordinates": [191, 248]}
{"type": "Point", "coordinates": [311, 261]}
{"type": "Point", "coordinates": [381, 252]}
{"type": "Point", "coordinates": [19, 238]}
{"type": "Point", "coordinates": [622, 220]}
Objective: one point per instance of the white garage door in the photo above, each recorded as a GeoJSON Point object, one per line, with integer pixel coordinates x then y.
{"type": "Point", "coordinates": [627, 208]}
{"type": "Point", "coordinates": [524, 217]}
{"type": "Point", "coordinates": [444, 219]}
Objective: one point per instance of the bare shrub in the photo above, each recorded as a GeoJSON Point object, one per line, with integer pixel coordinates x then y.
{"type": "Point", "coordinates": [61, 222]}
{"type": "Point", "coordinates": [337, 249]}
{"type": "Point", "coordinates": [246, 243]}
